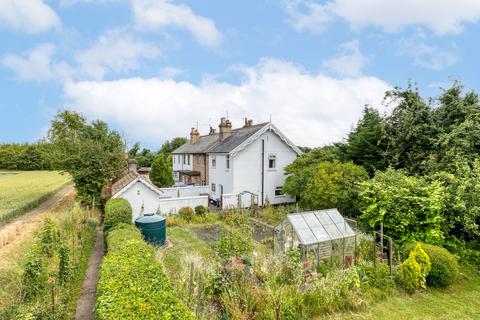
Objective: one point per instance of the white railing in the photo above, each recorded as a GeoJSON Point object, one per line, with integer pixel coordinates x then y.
{"type": "Point", "coordinates": [172, 205]}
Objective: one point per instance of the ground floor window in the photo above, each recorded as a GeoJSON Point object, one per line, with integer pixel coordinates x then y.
{"type": "Point", "coordinates": [213, 187]}
{"type": "Point", "coordinates": [278, 191]}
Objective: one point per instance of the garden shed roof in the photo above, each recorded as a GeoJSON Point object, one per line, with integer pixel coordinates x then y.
{"type": "Point", "coordinates": [319, 226]}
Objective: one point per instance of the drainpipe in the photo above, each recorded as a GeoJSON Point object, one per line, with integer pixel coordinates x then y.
{"type": "Point", "coordinates": [263, 172]}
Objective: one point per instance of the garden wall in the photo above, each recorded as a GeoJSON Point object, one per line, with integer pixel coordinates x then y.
{"type": "Point", "coordinates": [172, 205]}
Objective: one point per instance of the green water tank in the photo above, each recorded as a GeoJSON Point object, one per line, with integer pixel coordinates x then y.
{"type": "Point", "coordinates": [153, 228]}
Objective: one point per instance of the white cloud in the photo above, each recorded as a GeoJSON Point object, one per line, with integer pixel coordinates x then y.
{"type": "Point", "coordinates": [307, 15]}
{"type": "Point", "coordinates": [28, 16]}
{"type": "Point", "coordinates": [158, 14]}
{"type": "Point", "coordinates": [349, 62]}
{"type": "Point", "coordinates": [37, 64]}
{"type": "Point", "coordinates": [115, 51]}
{"type": "Point", "coordinates": [312, 109]}
{"type": "Point", "coordinates": [446, 16]}
{"type": "Point", "coordinates": [425, 55]}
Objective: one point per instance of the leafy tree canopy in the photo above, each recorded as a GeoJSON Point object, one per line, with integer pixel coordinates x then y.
{"type": "Point", "coordinates": [91, 152]}
{"type": "Point", "coordinates": [161, 174]}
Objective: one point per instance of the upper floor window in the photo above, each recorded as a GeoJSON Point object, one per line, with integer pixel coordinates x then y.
{"type": "Point", "coordinates": [184, 159]}
{"type": "Point", "coordinates": [188, 157]}
{"type": "Point", "coordinates": [227, 161]}
{"type": "Point", "coordinates": [214, 161]}
{"type": "Point", "coordinates": [272, 161]}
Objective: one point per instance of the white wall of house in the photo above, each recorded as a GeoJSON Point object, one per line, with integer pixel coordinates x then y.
{"type": "Point", "coordinates": [248, 168]}
{"type": "Point", "coordinates": [178, 162]}
{"type": "Point", "coordinates": [190, 191]}
{"type": "Point", "coordinates": [138, 194]}
{"type": "Point", "coordinates": [171, 206]}
{"type": "Point", "coordinates": [220, 175]}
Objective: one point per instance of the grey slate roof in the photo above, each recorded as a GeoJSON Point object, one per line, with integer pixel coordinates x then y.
{"type": "Point", "coordinates": [212, 143]}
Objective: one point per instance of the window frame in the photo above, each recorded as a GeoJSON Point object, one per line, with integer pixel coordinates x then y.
{"type": "Point", "coordinates": [272, 157]}
{"type": "Point", "coordinates": [281, 194]}
{"type": "Point", "coordinates": [227, 162]}
{"type": "Point", "coordinates": [214, 161]}
{"type": "Point", "coordinates": [213, 187]}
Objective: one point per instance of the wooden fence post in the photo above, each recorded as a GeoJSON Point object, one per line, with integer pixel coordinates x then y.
{"type": "Point", "coordinates": [381, 239]}
{"type": "Point", "coordinates": [374, 249]}
{"type": "Point", "coordinates": [390, 254]}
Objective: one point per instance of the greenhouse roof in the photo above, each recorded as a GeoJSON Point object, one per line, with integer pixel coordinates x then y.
{"type": "Point", "coordinates": [319, 226]}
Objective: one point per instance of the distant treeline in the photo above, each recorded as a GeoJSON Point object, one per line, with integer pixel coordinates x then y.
{"type": "Point", "coordinates": [36, 156]}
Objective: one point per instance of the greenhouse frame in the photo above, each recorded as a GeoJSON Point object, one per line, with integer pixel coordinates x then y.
{"type": "Point", "coordinates": [321, 235]}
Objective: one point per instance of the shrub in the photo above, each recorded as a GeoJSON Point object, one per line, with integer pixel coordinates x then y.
{"type": "Point", "coordinates": [201, 210]}
{"type": "Point", "coordinates": [186, 213]}
{"type": "Point", "coordinates": [64, 265]}
{"type": "Point", "coordinates": [444, 266]}
{"type": "Point", "coordinates": [410, 274]}
{"type": "Point", "coordinates": [117, 210]}
{"type": "Point", "coordinates": [424, 261]}
{"type": "Point", "coordinates": [132, 284]}
{"type": "Point", "coordinates": [35, 274]}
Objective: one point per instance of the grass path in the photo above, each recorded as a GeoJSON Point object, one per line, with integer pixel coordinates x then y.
{"type": "Point", "coordinates": [460, 301]}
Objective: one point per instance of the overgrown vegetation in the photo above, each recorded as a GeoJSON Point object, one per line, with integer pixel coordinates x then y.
{"type": "Point", "coordinates": [132, 284]}
{"type": "Point", "coordinates": [53, 268]}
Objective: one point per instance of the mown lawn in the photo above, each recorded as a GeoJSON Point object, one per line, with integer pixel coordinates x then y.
{"type": "Point", "coordinates": [24, 189]}
{"type": "Point", "coordinates": [460, 301]}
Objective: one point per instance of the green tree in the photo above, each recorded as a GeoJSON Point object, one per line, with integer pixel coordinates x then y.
{"type": "Point", "coordinates": [409, 207]}
{"type": "Point", "coordinates": [366, 144]}
{"type": "Point", "coordinates": [91, 153]}
{"type": "Point", "coordinates": [145, 158]}
{"type": "Point", "coordinates": [161, 174]}
{"type": "Point", "coordinates": [333, 185]}
{"type": "Point", "coordinates": [410, 131]}
{"type": "Point", "coordinates": [169, 146]}
{"type": "Point", "coordinates": [133, 152]}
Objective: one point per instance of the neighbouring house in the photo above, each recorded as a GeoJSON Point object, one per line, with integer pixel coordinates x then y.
{"type": "Point", "coordinates": [144, 171]}
{"type": "Point", "coordinates": [251, 158]}
{"type": "Point", "coordinates": [145, 197]}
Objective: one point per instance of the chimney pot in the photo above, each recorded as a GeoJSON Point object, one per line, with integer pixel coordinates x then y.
{"type": "Point", "coordinates": [225, 128]}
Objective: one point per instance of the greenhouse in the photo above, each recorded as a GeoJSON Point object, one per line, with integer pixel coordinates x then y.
{"type": "Point", "coordinates": [323, 235]}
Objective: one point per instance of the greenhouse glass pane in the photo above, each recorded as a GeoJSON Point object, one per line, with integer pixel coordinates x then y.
{"type": "Point", "coordinates": [333, 231]}
{"type": "Point", "coordinates": [316, 227]}
{"type": "Point", "coordinates": [304, 233]}
{"type": "Point", "coordinates": [335, 216]}
{"type": "Point", "coordinates": [323, 217]}
{"type": "Point", "coordinates": [345, 229]}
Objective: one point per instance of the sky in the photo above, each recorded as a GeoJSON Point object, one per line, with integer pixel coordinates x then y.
{"type": "Point", "coordinates": [153, 69]}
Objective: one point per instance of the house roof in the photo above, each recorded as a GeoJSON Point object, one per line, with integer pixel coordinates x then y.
{"type": "Point", "coordinates": [129, 179]}
{"type": "Point", "coordinates": [212, 143]}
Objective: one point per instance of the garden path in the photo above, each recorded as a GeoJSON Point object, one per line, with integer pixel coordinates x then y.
{"type": "Point", "coordinates": [88, 296]}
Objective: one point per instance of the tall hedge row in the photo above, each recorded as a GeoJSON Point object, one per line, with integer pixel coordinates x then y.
{"type": "Point", "coordinates": [117, 210]}
{"type": "Point", "coordinates": [132, 284]}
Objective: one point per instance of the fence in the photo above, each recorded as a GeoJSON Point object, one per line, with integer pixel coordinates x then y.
{"type": "Point", "coordinates": [190, 191]}
{"type": "Point", "coordinates": [172, 205]}
{"type": "Point", "coordinates": [229, 201]}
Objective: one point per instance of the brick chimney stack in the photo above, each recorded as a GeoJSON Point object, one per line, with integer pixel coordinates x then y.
{"type": "Point", "coordinates": [248, 123]}
{"type": "Point", "coordinates": [194, 135]}
{"type": "Point", "coordinates": [132, 165]}
{"type": "Point", "coordinates": [212, 131]}
{"type": "Point", "coordinates": [225, 128]}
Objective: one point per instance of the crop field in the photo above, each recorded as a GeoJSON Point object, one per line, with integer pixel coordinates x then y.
{"type": "Point", "coordinates": [22, 190]}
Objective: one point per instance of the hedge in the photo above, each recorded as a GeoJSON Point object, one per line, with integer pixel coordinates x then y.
{"type": "Point", "coordinates": [444, 269]}
{"type": "Point", "coordinates": [117, 210]}
{"type": "Point", "coordinates": [132, 284]}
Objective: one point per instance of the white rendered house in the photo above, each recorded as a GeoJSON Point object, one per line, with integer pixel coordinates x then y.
{"type": "Point", "coordinates": [251, 158]}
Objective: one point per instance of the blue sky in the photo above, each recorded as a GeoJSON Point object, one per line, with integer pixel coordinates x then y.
{"type": "Point", "coordinates": [155, 68]}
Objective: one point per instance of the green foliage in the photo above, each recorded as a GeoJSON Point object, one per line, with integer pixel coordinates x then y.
{"type": "Point", "coordinates": [330, 185]}
{"type": "Point", "coordinates": [64, 268]}
{"type": "Point", "coordinates": [169, 146]}
{"type": "Point", "coordinates": [49, 237]}
{"type": "Point", "coordinates": [186, 213]}
{"type": "Point", "coordinates": [410, 131]}
{"type": "Point", "coordinates": [117, 210]}
{"type": "Point", "coordinates": [132, 284]}
{"type": "Point", "coordinates": [423, 261]}
{"type": "Point", "coordinates": [161, 174]}
{"type": "Point", "coordinates": [35, 274]}
{"type": "Point", "coordinates": [26, 156]}
{"type": "Point", "coordinates": [444, 266]}
{"type": "Point", "coordinates": [410, 274]}
{"type": "Point", "coordinates": [92, 153]}
{"type": "Point", "coordinates": [291, 271]}
{"type": "Point", "coordinates": [201, 210]}
{"type": "Point", "coordinates": [376, 277]}
{"type": "Point", "coordinates": [234, 242]}
{"type": "Point", "coordinates": [366, 144]}
{"type": "Point", "coordinates": [409, 207]}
